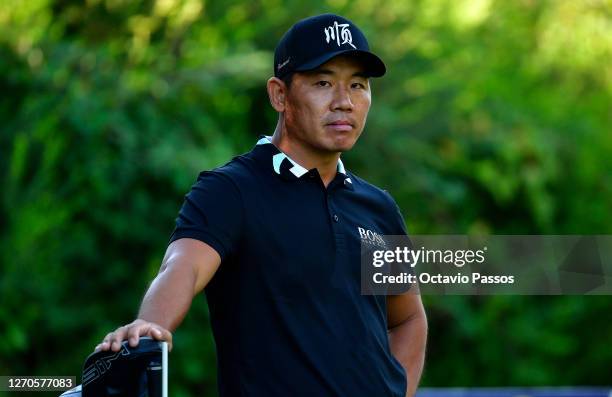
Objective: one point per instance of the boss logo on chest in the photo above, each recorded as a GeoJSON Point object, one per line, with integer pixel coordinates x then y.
{"type": "Point", "coordinates": [372, 238]}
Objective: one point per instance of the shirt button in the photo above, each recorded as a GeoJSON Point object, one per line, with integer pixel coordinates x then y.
{"type": "Point", "coordinates": [336, 219]}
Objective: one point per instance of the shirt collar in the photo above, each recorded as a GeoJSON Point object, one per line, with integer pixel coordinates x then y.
{"type": "Point", "coordinates": [285, 166]}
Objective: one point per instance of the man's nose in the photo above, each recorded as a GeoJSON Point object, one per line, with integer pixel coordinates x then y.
{"type": "Point", "coordinates": [342, 99]}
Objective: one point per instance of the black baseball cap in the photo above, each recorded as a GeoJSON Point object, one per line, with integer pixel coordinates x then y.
{"type": "Point", "coordinates": [313, 41]}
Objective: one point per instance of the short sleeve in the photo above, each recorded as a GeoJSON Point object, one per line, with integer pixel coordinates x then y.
{"type": "Point", "coordinates": [398, 225]}
{"type": "Point", "coordinates": [212, 213]}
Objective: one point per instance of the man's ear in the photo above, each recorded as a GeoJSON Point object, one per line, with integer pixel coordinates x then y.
{"type": "Point", "coordinates": [277, 92]}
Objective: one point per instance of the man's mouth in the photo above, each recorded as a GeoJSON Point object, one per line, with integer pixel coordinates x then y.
{"type": "Point", "coordinates": [341, 125]}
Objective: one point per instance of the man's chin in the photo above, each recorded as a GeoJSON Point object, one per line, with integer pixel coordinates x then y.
{"type": "Point", "coordinates": [342, 143]}
{"type": "Point", "coordinates": [338, 146]}
{"type": "Point", "coordinates": [344, 147]}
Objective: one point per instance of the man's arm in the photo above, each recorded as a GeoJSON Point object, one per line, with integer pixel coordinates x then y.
{"type": "Point", "coordinates": [407, 330]}
{"type": "Point", "coordinates": [187, 267]}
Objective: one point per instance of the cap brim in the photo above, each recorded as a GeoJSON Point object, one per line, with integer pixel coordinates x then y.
{"type": "Point", "coordinates": [374, 66]}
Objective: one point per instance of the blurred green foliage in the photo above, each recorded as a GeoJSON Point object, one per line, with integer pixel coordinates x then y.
{"type": "Point", "coordinates": [494, 117]}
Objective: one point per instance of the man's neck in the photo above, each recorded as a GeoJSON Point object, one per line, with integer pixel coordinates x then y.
{"type": "Point", "coordinates": [325, 163]}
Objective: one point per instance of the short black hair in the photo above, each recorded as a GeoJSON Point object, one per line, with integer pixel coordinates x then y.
{"type": "Point", "coordinates": [287, 80]}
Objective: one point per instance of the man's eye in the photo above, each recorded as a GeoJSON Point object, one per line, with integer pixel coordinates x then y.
{"type": "Point", "coordinates": [358, 85]}
{"type": "Point", "coordinates": [323, 83]}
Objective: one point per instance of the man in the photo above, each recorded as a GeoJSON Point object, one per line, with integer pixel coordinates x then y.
{"type": "Point", "coordinates": [274, 239]}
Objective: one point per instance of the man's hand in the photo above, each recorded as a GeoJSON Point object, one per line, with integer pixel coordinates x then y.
{"type": "Point", "coordinates": [132, 332]}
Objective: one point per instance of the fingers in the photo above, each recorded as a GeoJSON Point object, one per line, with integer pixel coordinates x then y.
{"type": "Point", "coordinates": [137, 329]}
{"type": "Point", "coordinates": [132, 333]}
{"type": "Point", "coordinates": [155, 331]}
{"type": "Point", "coordinates": [118, 336]}
{"type": "Point", "coordinates": [106, 342]}
{"type": "Point", "coordinates": [112, 340]}
{"type": "Point", "coordinates": [162, 334]}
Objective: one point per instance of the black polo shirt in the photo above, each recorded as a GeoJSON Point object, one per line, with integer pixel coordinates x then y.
{"type": "Point", "coordinates": [286, 309]}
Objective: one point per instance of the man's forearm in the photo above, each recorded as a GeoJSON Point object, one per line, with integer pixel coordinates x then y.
{"type": "Point", "coordinates": [169, 297]}
{"type": "Point", "coordinates": [407, 341]}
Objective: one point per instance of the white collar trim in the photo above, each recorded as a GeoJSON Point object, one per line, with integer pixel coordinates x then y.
{"type": "Point", "coordinates": [297, 169]}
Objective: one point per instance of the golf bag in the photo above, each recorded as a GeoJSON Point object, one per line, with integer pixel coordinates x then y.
{"type": "Point", "coordinates": [139, 371]}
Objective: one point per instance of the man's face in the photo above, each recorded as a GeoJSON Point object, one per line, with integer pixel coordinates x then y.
{"type": "Point", "coordinates": [326, 108]}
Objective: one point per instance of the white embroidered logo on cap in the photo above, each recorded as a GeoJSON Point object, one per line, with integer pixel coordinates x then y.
{"type": "Point", "coordinates": [281, 65]}
{"type": "Point", "coordinates": [332, 33]}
